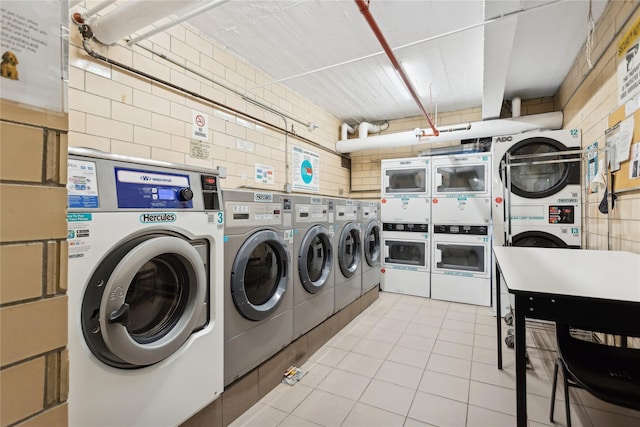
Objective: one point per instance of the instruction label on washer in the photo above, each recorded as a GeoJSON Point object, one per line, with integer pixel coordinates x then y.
{"type": "Point", "coordinates": [82, 184]}
{"type": "Point", "coordinates": [79, 232]}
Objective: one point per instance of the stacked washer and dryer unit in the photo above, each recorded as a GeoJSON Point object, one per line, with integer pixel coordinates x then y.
{"type": "Point", "coordinates": [145, 290]}
{"type": "Point", "coordinates": [461, 240]}
{"type": "Point", "coordinates": [405, 213]}
{"type": "Point", "coordinates": [544, 205]}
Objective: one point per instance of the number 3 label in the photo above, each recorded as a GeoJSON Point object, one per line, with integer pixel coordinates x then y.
{"type": "Point", "coordinates": [220, 218]}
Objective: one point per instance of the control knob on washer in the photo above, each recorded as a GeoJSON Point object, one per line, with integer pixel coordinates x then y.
{"type": "Point", "coordinates": [185, 194]}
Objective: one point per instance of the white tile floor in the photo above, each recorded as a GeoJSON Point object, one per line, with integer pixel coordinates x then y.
{"type": "Point", "coordinates": [410, 361]}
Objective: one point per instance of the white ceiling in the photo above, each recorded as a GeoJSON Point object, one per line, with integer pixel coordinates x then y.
{"type": "Point", "coordinates": [458, 54]}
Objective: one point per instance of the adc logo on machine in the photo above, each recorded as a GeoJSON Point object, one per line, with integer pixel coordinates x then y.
{"type": "Point", "coordinates": [152, 218]}
{"type": "Point", "coordinates": [263, 197]}
{"type": "Point", "coordinates": [504, 138]}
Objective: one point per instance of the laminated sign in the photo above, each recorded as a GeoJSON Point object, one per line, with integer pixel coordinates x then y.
{"type": "Point", "coordinates": [306, 170]}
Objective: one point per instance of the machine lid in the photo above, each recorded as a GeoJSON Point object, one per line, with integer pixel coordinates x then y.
{"type": "Point", "coordinates": [372, 244]}
{"type": "Point", "coordinates": [260, 275]}
{"type": "Point", "coordinates": [145, 299]}
{"type": "Point", "coordinates": [315, 259]}
{"type": "Point", "coordinates": [537, 239]}
{"type": "Point", "coordinates": [541, 180]}
{"type": "Point", "coordinates": [349, 251]}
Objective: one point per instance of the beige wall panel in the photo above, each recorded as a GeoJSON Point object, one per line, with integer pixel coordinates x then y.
{"type": "Point", "coordinates": [21, 272]}
{"type": "Point", "coordinates": [32, 328]}
{"type": "Point", "coordinates": [22, 390]}
{"type": "Point", "coordinates": [15, 142]}
{"type": "Point", "coordinates": [39, 215]}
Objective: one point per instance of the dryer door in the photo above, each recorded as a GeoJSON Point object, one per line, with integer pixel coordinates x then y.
{"type": "Point", "coordinates": [260, 275]}
{"type": "Point", "coordinates": [349, 250]}
{"type": "Point", "coordinates": [315, 260]}
{"type": "Point", "coordinates": [145, 299]}
{"type": "Point", "coordinates": [372, 244]}
{"type": "Point", "coordinates": [537, 239]}
{"type": "Point", "coordinates": [540, 180]}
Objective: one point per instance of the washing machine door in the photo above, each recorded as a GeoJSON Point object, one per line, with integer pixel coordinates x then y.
{"type": "Point", "coordinates": [315, 260]}
{"type": "Point", "coordinates": [260, 275]}
{"type": "Point", "coordinates": [349, 250]}
{"type": "Point", "coordinates": [537, 239]}
{"type": "Point", "coordinates": [542, 179]}
{"type": "Point", "coordinates": [145, 299]}
{"type": "Point", "coordinates": [372, 244]}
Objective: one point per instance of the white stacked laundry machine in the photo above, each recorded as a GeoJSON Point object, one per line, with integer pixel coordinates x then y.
{"type": "Point", "coordinates": [461, 238]}
{"type": "Point", "coordinates": [536, 193]}
{"type": "Point", "coordinates": [405, 217]}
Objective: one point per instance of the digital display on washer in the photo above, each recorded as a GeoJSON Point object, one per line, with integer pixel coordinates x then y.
{"type": "Point", "coordinates": [143, 189]}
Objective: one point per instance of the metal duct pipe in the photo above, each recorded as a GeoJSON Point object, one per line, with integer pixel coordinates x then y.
{"type": "Point", "coordinates": [365, 128]}
{"type": "Point", "coordinates": [344, 129]}
{"type": "Point", "coordinates": [134, 15]}
{"type": "Point", "coordinates": [363, 5]}
{"type": "Point", "coordinates": [515, 107]}
{"type": "Point", "coordinates": [480, 129]}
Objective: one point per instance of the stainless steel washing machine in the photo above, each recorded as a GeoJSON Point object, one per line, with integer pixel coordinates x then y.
{"type": "Point", "coordinates": [258, 305]}
{"type": "Point", "coordinates": [370, 232]}
{"type": "Point", "coordinates": [313, 276]}
{"type": "Point", "coordinates": [348, 253]}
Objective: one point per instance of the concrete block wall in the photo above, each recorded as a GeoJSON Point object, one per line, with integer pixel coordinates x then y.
{"type": "Point", "coordinates": [587, 97]}
{"type": "Point", "coordinates": [33, 266]}
{"type": "Point", "coordinates": [117, 111]}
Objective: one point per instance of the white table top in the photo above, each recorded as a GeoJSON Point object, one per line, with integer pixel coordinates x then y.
{"type": "Point", "coordinates": [611, 275]}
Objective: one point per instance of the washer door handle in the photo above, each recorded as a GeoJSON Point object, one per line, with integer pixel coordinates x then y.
{"type": "Point", "coordinates": [121, 315]}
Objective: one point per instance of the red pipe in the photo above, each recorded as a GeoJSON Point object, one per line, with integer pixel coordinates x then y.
{"type": "Point", "coordinates": [364, 8]}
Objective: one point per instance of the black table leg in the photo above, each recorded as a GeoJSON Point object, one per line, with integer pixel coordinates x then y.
{"type": "Point", "coordinates": [521, 362]}
{"type": "Point", "coordinates": [498, 316]}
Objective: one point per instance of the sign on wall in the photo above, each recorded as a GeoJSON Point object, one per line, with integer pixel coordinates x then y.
{"type": "Point", "coordinates": [33, 53]}
{"type": "Point", "coordinates": [265, 174]}
{"type": "Point", "coordinates": [200, 126]}
{"type": "Point", "coordinates": [629, 64]}
{"type": "Point", "coordinates": [306, 166]}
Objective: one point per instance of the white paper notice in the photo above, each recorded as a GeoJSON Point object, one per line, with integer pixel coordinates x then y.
{"type": "Point", "coordinates": [32, 53]}
{"type": "Point", "coordinates": [634, 162]}
{"type": "Point", "coordinates": [265, 174]}
{"type": "Point", "coordinates": [624, 141]}
{"type": "Point", "coordinates": [306, 165]}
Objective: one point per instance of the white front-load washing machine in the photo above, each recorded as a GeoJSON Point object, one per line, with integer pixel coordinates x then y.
{"type": "Point", "coordinates": [258, 299]}
{"type": "Point", "coordinates": [145, 290]}
{"type": "Point", "coordinates": [313, 261]}
{"type": "Point", "coordinates": [371, 244]}
{"type": "Point", "coordinates": [540, 186]}
{"type": "Point", "coordinates": [348, 253]}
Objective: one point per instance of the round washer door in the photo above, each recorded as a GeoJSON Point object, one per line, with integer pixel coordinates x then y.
{"type": "Point", "coordinates": [315, 260]}
{"type": "Point", "coordinates": [260, 275]}
{"type": "Point", "coordinates": [145, 299]}
{"type": "Point", "coordinates": [372, 244]}
{"type": "Point", "coordinates": [349, 250]}
{"type": "Point", "coordinates": [537, 239]}
{"type": "Point", "coordinates": [541, 180]}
